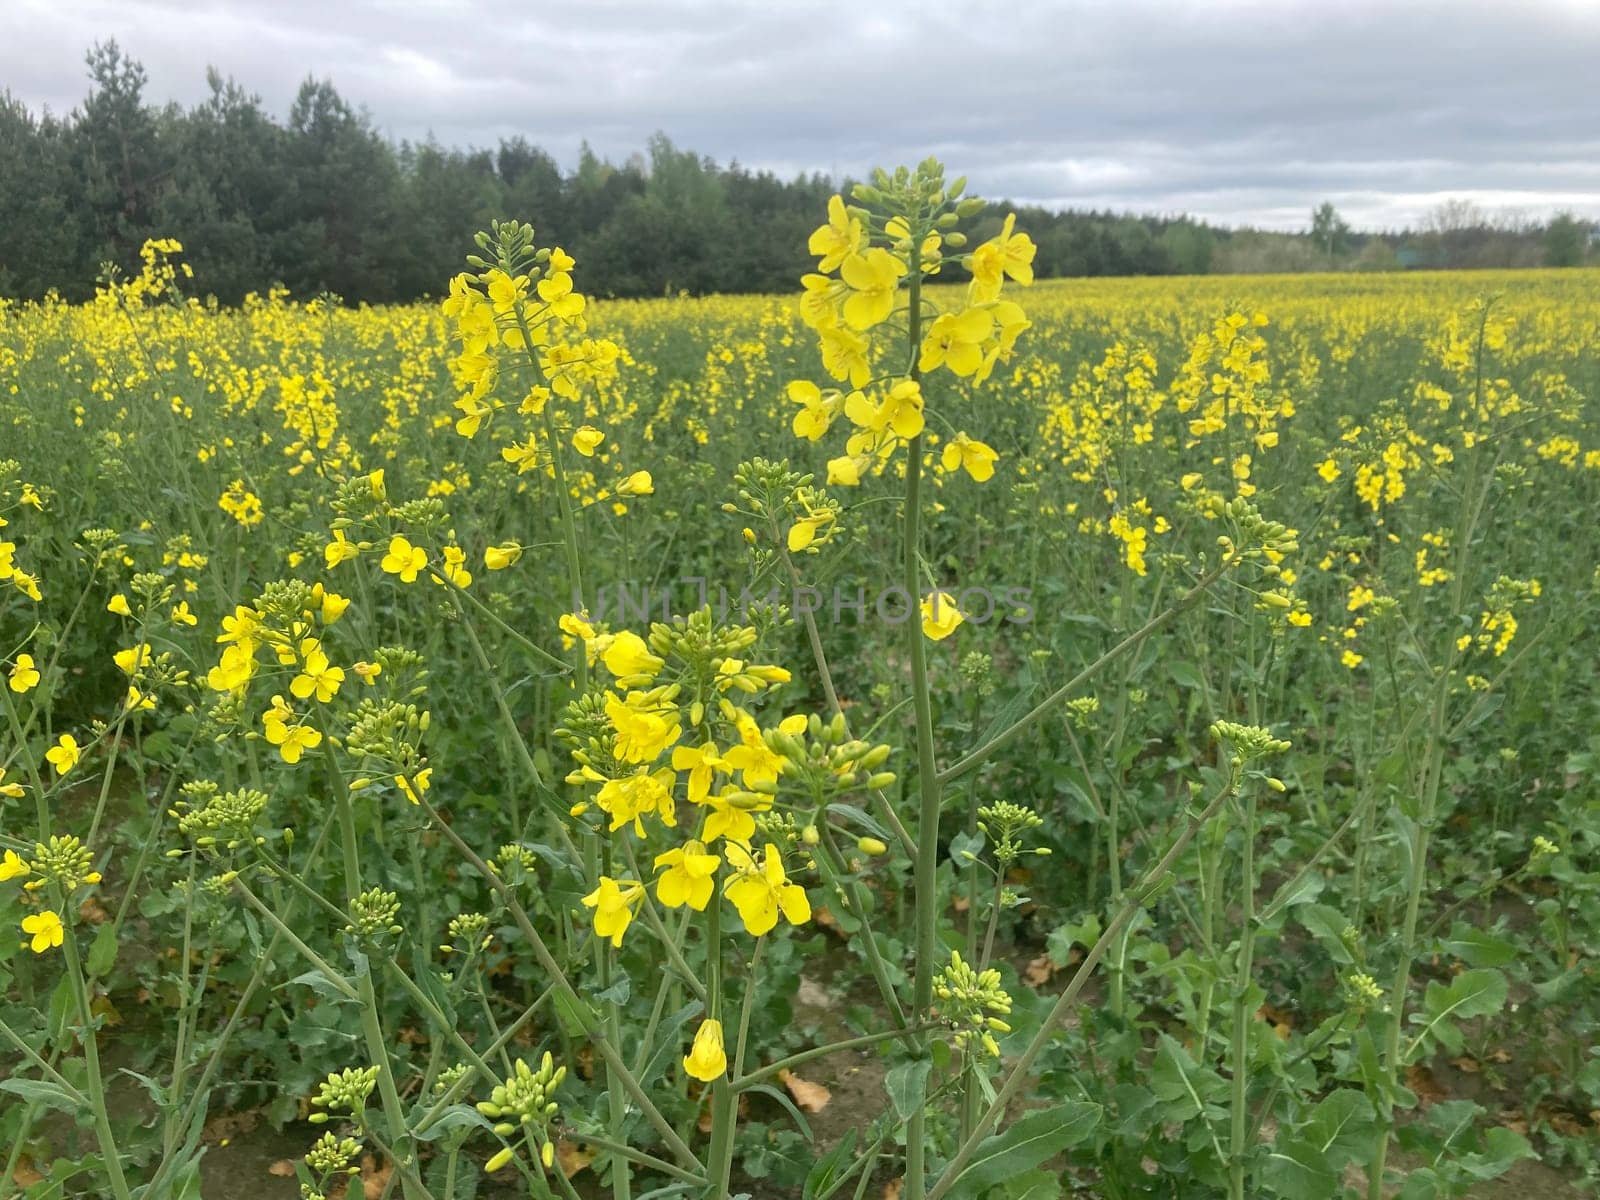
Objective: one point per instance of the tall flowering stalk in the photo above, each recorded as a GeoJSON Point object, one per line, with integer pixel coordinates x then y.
{"type": "Point", "coordinates": [870, 253]}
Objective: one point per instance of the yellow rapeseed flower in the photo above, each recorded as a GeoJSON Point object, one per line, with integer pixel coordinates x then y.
{"type": "Point", "coordinates": [707, 1060]}
{"type": "Point", "coordinates": [760, 891]}
{"type": "Point", "coordinates": [613, 903]}
{"type": "Point", "coordinates": [64, 755]}
{"type": "Point", "coordinates": [641, 734]}
{"type": "Point", "coordinates": [637, 484]}
{"type": "Point", "coordinates": [24, 675]}
{"type": "Point", "coordinates": [838, 239]}
{"type": "Point", "coordinates": [689, 876]}
{"type": "Point", "coordinates": [964, 453]}
{"type": "Point", "coordinates": [341, 549]}
{"type": "Point", "coordinates": [318, 677]}
{"type": "Point", "coordinates": [940, 616]}
{"type": "Point", "coordinates": [498, 558]}
{"type": "Point", "coordinates": [404, 559]}
{"type": "Point", "coordinates": [13, 866]}
{"type": "Point", "coordinates": [45, 929]}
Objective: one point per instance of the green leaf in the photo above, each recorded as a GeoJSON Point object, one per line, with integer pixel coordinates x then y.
{"type": "Point", "coordinates": [1186, 675]}
{"type": "Point", "coordinates": [572, 1016]}
{"type": "Point", "coordinates": [1297, 1169]}
{"type": "Point", "coordinates": [457, 1116]}
{"type": "Point", "coordinates": [965, 847]}
{"type": "Point", "coordinates": [1024, 1145]}
{"type": "Point", "coordinates": [907, 1084]}
{"type": "Point", "coordinates": [1502, 1148]}
{"type": "Point", "coordinates": [102, 951]}
{"type": "Point", "coordinates": [1058, 945]}
{"type": "Point", "coordinates": [619, 991]}
{"type": "Point", "coordinates": [1327, 925]}
{"type": "Point", "coordinates": [1035, 1185]}
{"type": "Point", "coordinates": [783, 1099]}
{"type": "Point", "coordinates": [1420, 1184]}
{"type": "Point", "coordinates": [157, 1091]}
{"type": "Point", "coordinates": [1182, 1084]}
{"type": "Point", "coordinates": [669, 1041]}
{"type": "Point", "coordinates": [858, 816]}
{"type": "Point", "coordinates": [1479, 947]}
{"type": "Point", "coordinates": [1479, 993]}
{"type": "Point", "coordinates": [1373, 1077]}
{"type": "Point", "coordinates": [828, 1168]}
{"type": "Point", "coordinates": [157, 745]}
{"type": "Point", "coordinates": [40, 1091]}
{"type": "Point", "coordinates": [1341, 1127]}
{"type": "Point", "coordinates": [323, 986]}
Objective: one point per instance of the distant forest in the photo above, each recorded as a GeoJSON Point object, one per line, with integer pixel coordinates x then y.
{"type": "Point", "coordinates": [325, 203]}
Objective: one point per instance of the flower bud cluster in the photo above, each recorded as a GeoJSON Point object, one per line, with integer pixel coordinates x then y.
{"type": "Point", "coordinates": [344, 1091]}
{"type": "Point", "coordinates": [515, 863]}
{"type": "Point", "coordinates": [1005, 824]}
{"type": "Point", "coordinates": [374, 912]}
{"type": "Point", "coordinates": [525, 1102]}
{"type": "Point", "coordinates": [469, 932]}
{"type": "Point", "coordinates": [62, 860]}
{"type": "Point", "coordinates": [825, 761]}
{"type": "Point", "coordinates": [967, 998]}
{"type": "Point", "coordinates": [390, 732]}
{"type": "Point", "coordinates": [1254, 533]}
{"type": "Point", "coordinates": [218, 820]}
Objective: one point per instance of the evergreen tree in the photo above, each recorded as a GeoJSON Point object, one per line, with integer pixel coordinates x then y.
{"type": "Point", "coordinates": [321, 201]}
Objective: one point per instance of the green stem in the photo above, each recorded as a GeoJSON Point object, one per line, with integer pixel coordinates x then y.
{"type": "Point", "coordinates": [618, 1150]}
{"type": "Point", "coordinates": [394, 1114]}
{"type": "Point", "coordinates": [45, 1069]}
{"type": "Point", "coordinates": [1043, 709]}
{"type": "Point", "coordinates": [340, 984]}
{"type": "Point", "coordinates": [92, 1077]}
{"type": "Point", "coordinates": [1239, 1055]}
{"type": "Point", "coordinates": [830, 865]}
{"type": "Point", "coordinates": [665, 936]}
{"type": "Point", "coordinates": [1474, 495]}
{"type": "Point", "coordinates": [724, 1111]}
{"type": "Point", "coordinates": [578, 1007]}
{"type": "Point", "coordinates": [220, 1042]}
{"type": "Point", "coordinates": [465, 1082]}
{"type": "Point", "coordinates": [41, 806]}
{"type": "Point", "coordinates": [1135, 900]}
{"type": "Point", "coordinates": [745, 1082]}
{"type": "Point", "coordinates": [825, 674]}
{"type": "Point", "coordinates": [621, 1175]}
{"type": "Point", "coordinates": [926, 871]}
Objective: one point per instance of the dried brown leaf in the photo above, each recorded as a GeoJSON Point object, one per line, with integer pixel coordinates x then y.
{"type": "Point", "coordinates": [1421, 1081]}
{"type": "Point", "coordinates": [572, 1158]}
{"type": "Point", "coordinates": [23, 1174]}
{"type": "Point", "coordinates": [812, 1097]}
{"type": "Point", "coordinates": [92, 911]}
{"type": "Point", "coordinates": [374, 1177]}
{"type": "Point", "coordinates": [1039, 971]}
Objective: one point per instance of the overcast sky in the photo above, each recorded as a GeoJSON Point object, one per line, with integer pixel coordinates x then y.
{"type": "Point", "coordinates": [1239, 111]}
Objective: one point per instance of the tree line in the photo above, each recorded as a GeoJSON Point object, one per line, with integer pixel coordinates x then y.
{"type": "Point", "coordinates": [323, 203]}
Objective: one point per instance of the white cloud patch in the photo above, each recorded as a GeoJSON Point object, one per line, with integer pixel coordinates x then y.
{"type": "Point", "coordinates": [1244, 111]}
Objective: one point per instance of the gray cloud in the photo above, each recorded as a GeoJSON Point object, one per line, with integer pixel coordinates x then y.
{"type": "Point", "coordinates": [1240, 111]}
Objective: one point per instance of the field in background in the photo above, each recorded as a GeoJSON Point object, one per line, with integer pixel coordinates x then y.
{"type": "Point", "coordinates": [1361, 411]}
